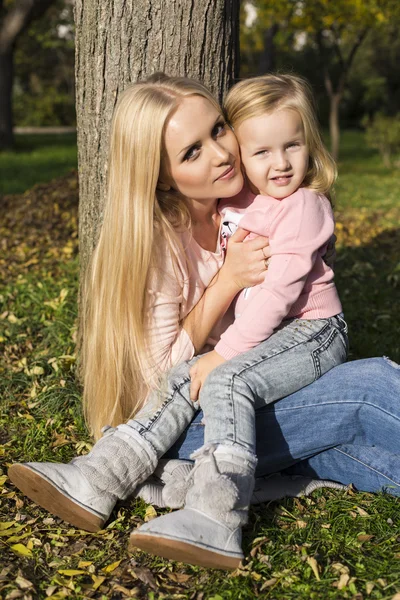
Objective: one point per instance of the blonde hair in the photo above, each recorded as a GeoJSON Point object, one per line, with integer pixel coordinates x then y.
{"type": "Point", "coordinates": [259, 95]}
{"type": "Point", "coordinates": [139, 218]}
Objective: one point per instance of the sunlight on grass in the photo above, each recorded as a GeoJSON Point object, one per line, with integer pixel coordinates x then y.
{"type": "Point", "coordinates": [36, 159]}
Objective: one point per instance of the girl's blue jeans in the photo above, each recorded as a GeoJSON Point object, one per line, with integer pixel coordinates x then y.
{"type": "Point", "coordinates": [345, 427]}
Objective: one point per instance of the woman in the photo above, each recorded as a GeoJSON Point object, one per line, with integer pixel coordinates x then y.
{"type": "Point", "coordinates": [155, 298]}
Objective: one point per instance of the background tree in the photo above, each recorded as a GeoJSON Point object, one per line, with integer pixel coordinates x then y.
{"type": "Point", "coordinates": [118, 42]}
{"type": "Point", "coordinates": [44, 82]}
{"type": "Point", "coordinates": [15, 16]}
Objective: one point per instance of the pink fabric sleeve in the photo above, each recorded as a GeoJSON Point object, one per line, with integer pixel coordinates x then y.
{"type": "Point", "coordinates": [300, 225]}
{"type": "Point", "coordinates": [168, 342]}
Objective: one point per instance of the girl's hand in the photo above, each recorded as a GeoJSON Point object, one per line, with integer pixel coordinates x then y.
{"type": "Point", "coordinates": [201, 369]}
{"type": "Point", "coordinates": [246, 260]}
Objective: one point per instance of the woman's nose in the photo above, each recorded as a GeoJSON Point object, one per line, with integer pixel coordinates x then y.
{"type": "Point", "coordinates": [220, 154]}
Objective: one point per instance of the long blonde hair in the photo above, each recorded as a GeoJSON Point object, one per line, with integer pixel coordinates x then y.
{"type": "Point", "coordinates": [259, 95]}
{"type": "Point", "coordinates": [117, 369]}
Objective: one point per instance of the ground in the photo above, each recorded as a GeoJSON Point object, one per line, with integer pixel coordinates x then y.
{"type": "Point", "coordinates": [333, 545]}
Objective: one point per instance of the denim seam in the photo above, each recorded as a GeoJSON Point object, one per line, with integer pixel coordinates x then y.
{"type": "Point", "coordinates": [276, 409]}
{"type": "Point", "coordinates": [297, 344]}
{"type": "Point", "coordinates": [177, 388]}
{"type": "Point", "coordinates": [234, 418]}
{"type": "Point", "coordinates": [322, 348]}
{"type": "Point", "coordinates": [367, 465]}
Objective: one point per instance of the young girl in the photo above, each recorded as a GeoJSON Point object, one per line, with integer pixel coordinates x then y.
{"type": "Point", "coordinates": [288, 330]}
{"type": "Point", "coordinates": [196, 160]}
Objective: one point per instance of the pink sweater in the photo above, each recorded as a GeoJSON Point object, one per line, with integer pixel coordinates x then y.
{"type": "Point", "coordinates": [298, 283]}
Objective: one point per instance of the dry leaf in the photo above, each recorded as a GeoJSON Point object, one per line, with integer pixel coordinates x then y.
{"type": "Point", "coordinates": [23, 583]}
{"type": "Point", "coordinates": [369, 586]}
{"type": "Point", "coordinates": [301, 524]}
{"type": "Point", "coordinates": [150, 513]}
{"type": "Point", "coordinates": [97, 581]}
{"type": "Point", "coordinates": [70, 572]}
{"type": "Point", "coordinates": [343, 581]}
{"type": "Point", "coordinates": [362, 512]}
{"type": "Point", "coordinates": [111, 567]}
{"type": "Point", "coordinates": [364, 537]}
{"type": "Point", "coordinates": [268, 583]}
{"type": "Point", "coordinates": [21, 549]}
{"type": "Point", "coordinates": [314, 565]}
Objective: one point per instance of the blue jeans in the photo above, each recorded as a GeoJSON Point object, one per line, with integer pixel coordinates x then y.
{"type": "Point", "coordinates": [294, 356]}
{"type": "Point", "coordinates": [344, 427]}
{"type": "Point", "coordinates": [298, 353]}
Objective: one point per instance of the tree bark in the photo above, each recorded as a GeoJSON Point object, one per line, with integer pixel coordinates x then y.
{"type": "Point", "coordinates": [334, 128]}
{"type": "Point", "coordinates": [6, 84]}
{"type": "Point", "coordinates": [12, 24]}
{"type": "Point", "coordinates": [268, 54]}
{"type": "Point", "coordinates": [118, 42]}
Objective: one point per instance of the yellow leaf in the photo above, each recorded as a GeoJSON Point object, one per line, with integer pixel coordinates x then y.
{"type": "Point", "coordinates": [110, 568]}
{"type": "Point", "coordinates": [36, 371]}
{"type": "Point", "coordinates": [150, 513]}
{"type": "Point", "coordinates": [97, 581]}
{"type": "Point", "coordinates": [12, 318]}
{"type": "Point", "coordinates": [6, 525]}
{"type": "Point", "coordinates": [84, 563]}
{"type": "Point", "coordinates": [314, 565]}
{"type": "Point", "coordinates": [21, 549]}
{"type": "Point", "coordinates": [70, 572]}
{"type": "Point", "coordinates": [343, 581]}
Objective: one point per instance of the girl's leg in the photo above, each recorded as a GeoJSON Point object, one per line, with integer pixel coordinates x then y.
{"type": "Point", "coordinates": [344, 427]}
{"type": "Point", "coordinates": [85, 491]}
{"type": "Point", "coordinates": [293, 357]}
{"type": "Point", "coordinates": [208, 530]}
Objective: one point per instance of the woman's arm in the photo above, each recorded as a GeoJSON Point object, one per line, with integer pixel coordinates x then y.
{"type": "Point", "coordinates": [172, 340]}
{"type": "Point", "coordinates": [244, 266]}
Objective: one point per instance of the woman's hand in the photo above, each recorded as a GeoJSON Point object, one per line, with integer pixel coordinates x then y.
{"type": "Point", "coordinates": [246, 260]}
{"type": "Point", "coordinates": [201, 369]}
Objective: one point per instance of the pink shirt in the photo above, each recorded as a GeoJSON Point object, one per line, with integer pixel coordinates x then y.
{"type": "Point", "coordinates": [298, 283]}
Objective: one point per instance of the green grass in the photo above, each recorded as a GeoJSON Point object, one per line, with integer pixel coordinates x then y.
{"type": "Point", "coordinates": [334, 545]}
{"type": "Point", "coordinates": [36, 159]}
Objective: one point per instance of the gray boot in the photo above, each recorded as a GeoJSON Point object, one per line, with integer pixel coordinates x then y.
{"type": "Point", "coordinates": [84, 491]}
{"type": "Point", "coordinates": [207, 531]}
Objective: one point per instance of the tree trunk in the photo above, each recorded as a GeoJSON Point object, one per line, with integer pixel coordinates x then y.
{"type": "Point", "coordinates": [334, 128]}
{"type": "Point", "coordinates": [6, 83]}
{"type": "Point", "coordinates": [118, 42]}
{"type": "Point", "coordinates": [268, 54]}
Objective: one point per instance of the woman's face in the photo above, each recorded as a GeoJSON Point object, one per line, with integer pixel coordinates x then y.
{"type": "Point", "coordinates": [202, 152]}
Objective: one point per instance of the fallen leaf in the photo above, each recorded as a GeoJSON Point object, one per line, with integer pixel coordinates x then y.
{"type": "Point", "coordinates": [150, 513]}
{"type": "Point", "coordinates": [21, 549]}
{"type": "Point", "coordinates": [364, 537]}
{"type": "Point", "coordinates": [343, 581]}
{"type": "Point", "coordinates": [369, 586]}
{"type": "Point", "coordinates": [301, 524]}
{"type": "Point", "coordinates": [70, 572]}
{"type": "Point", "coordinates": [97, 581]}
{"type": "Point", "coordinates": [268, 583]}
{"type": "Point", "coordinates": [23, 583]}
{"type": "Point", "coordinates": [314, 566]}
{"type": "Point", "coordinates": [362, 512]}
{"type": "Point", "coordinates": [111, 567]}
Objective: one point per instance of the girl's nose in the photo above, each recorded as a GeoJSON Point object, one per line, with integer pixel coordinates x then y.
{"type": "Point", "coordinates": [281, 161]}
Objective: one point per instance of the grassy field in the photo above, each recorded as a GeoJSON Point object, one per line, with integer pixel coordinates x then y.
{"type": "Point", "coordinates": [36, 159]}
{"type": "Point", "coordinates": [334, 545]}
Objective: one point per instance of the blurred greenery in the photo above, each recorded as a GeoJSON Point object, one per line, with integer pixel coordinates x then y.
{"type": "Point", "coordinates": [36, 159]}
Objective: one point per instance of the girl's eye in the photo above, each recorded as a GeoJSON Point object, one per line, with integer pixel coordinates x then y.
{"type": "Point", "coordinates": [192, 153]}
{"type": "Point", "coordinates": [218, 129]}
{"type": "Point", "coordinates": [261, 153]}
{"type": "Point", "coordinates": [294, 145]}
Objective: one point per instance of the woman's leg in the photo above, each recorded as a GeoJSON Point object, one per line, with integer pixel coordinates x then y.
{"type": "Point", "coordinates": [345, 424]}
{"type": "Point", "coordinates": [84, 491]}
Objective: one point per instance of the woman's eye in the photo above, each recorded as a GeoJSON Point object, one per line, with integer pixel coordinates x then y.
{"type": "Point", "coordinates": [192, 153]}
{"type": "Point", "coordinates": [218, 129]}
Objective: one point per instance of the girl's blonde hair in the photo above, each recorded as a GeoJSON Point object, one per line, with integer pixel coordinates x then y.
{"type": "Point", "coordinates": [259, 95]}
{"type": "Point", "coordinates": [139, 217]}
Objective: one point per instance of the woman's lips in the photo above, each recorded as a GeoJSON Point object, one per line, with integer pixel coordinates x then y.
{"type": "Point", "coordinates": [228, 174]}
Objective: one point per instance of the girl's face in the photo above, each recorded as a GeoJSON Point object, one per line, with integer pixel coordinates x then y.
{"type": "Point", "coordinates": [202, 151]}
{"type": "Point", "coordinates": [274, 152]}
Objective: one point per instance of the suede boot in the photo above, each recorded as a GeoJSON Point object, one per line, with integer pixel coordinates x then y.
{"type": "Point", "coordinates": [207, 532]}
{"type": "Point", "coordinates": [85, 491]}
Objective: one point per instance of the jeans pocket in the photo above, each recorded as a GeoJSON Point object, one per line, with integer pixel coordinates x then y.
{"type": "Point", "coordinates": [330, 353]}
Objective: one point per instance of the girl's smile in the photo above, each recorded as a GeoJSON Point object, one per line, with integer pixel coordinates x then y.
{"type": "Point", "coordinates": [274, 152]}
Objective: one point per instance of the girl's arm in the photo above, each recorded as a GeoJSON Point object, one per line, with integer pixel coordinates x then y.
{"type": "Point", "coordinates": [302, 224]}
{"type": "Point", "coordinates": [171, 340]}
